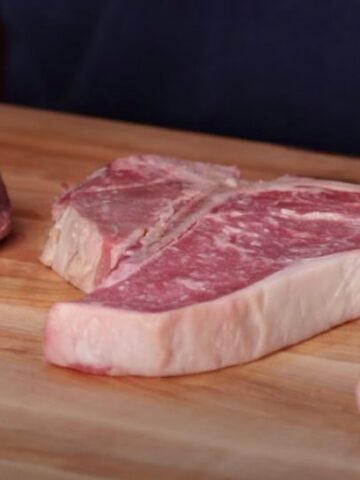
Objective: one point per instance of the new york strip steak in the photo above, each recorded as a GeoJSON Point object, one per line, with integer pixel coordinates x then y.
{"type": "Point", "coordinates": [261, 266]}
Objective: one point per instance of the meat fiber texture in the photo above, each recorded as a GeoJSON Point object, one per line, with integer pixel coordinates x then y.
{"type": "Point", "coordinates": [5, 211]}
{"type": "Point", "coordinates": [268, 265]}
{"type": "Point", "coordinates": [128, 210]}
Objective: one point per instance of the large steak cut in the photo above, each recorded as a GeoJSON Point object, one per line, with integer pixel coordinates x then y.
{"type": "Point", "coordinates": [268, 265]}
{"type": "Point", "coordinates": [128, 210]}
{"type": "Point", "coordinates": [5, 211]}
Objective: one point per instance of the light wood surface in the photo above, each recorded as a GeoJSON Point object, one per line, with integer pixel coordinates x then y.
{"type": "Point", "coordinates": [289, 416]}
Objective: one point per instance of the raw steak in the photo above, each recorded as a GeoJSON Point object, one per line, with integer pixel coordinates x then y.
{"type": "Point", "coordinates": [5, 211]}
{"type": "Point", "coordinates": [128, 209]}
{"type": "Point", "coordinates": [271, 264]}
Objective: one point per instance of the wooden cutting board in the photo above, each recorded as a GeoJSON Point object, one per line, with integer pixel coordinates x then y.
{"type": "Point", "coordinates": [289, 416]}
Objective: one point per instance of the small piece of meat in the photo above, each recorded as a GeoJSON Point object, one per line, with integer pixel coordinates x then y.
{"type": "Point", "coordinates": [127, 211]}
{"type": "Point", "coordinates": [267, 266]}
{"type": "Point", "coordinates": [5, 211]}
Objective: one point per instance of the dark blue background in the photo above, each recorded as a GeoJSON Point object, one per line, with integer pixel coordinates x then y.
{"type": "Point", "coordinates": [284, 71]}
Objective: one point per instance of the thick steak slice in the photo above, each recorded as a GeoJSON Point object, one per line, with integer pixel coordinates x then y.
{"type": "Point", "coordinates": [5, 211]}
{"type": "Point", "coordinates": [273, 264]}
{"type": "Point", "coordinates": [128, 210]}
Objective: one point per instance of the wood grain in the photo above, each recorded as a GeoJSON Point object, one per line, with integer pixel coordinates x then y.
{"type": "Point", "coordinates": [291, 415]}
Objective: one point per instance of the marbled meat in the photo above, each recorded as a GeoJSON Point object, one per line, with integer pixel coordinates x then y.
{"type": "Point", "coordinates": [128, 210]}
{"type": "Point", "coordinates": [268, 265]}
